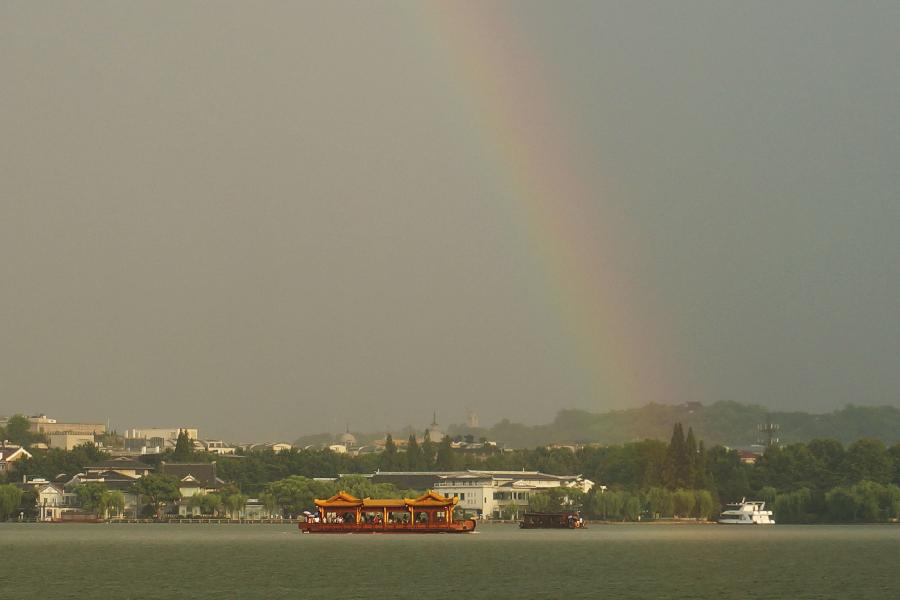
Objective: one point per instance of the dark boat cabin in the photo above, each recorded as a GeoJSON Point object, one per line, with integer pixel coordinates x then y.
{"type": "Point", "coordinates": [554, 520]}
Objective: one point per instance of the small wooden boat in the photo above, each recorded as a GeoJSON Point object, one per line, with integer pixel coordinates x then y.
{"type": "Point", "coordinates": [552, 520]}
{"type": "Point", "coordinates": [343, 513]}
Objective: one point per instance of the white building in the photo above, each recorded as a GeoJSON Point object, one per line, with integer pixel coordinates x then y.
{"type": "Point", "coordinates": [51, 500]}
{"type": "Point", "coordinates": [218, 447]}
{"type": "Point", "coordinates": [165, 433]}
{"type": "Point", "coordinates": [484, 493]}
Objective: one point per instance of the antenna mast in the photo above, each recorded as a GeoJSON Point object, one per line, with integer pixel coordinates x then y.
{"type": "Point", "coordinates": [768, 432]}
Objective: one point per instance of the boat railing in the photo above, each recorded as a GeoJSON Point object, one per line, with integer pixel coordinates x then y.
{"type": "Point", "coordinates": [381, 526]}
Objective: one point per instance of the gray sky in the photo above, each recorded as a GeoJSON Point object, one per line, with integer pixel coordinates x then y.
{"type": "Point", "coordinates": [267, 219]}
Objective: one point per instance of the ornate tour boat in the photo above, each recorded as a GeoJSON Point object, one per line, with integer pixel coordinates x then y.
{"type": "Point", "coordinates": [343, 513]}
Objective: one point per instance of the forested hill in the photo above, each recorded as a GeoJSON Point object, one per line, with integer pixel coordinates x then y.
{"type": "Point", "coordinates": [727, 423]}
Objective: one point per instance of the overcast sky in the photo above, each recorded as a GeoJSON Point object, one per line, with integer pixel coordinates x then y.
{"type": "Point", "coordinates": [269, 219]}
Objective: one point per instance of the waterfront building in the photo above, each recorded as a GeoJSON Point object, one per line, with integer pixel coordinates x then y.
{"type": "Point", "coordinates": [482, 493]}
{"type": "Point", "coordinates": [52, 499]}
{"type": "Point", "coordinates": [489, 493]}
{"type": "Point", "coordinates": [114, 480]}
{"type": "Point", "coordinates": [193, 479]}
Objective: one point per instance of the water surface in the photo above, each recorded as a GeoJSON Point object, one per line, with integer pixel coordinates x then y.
{"type": "Point", "coordinates": [500, 561]}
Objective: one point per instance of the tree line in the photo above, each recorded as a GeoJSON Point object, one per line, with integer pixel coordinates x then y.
{"type": "Point", "coordinates": [819, 481]}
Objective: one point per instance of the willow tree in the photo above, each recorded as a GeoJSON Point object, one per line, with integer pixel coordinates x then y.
{"type": "Point", "coordinates": [112, 501]}
{"type": "Point", "coordinates": [10, 497]}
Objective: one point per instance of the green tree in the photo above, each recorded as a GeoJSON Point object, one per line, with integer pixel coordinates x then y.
{"type": "Point", "coordinates": [112, 501]}
{"type": "Point", "coordinates": [159, 490]}
{"type": "Point", "coordinates": [510, 511]}
{"type": "Point", "coordinates": [607, 505]}
{"type": "Point", "coordinates": [196, 502]}
{"type": "Point", "coordinates": [894, 453]}
{"type": "Point", "coordinates": [868, 459]}
{"type": "Point", "coordinates": [414, 459]}
{"type": "Point", "coordinates": [446, 458]}
{"type": "Point", "coordinates": [388, 459]}
{"type": "Point", "coordinates": [269, 502]}
{"type": "Point", "coordinates": [631, 507]}
{"type": "Point", "coordinates": [684, 502]}
{"type": "Point", "coordinates": [540, 502]}
{"type": "Point", "coordinates": [730, 476]}
{"type": "Point", "coordinates": [829, 456]}
{"type": "Point", "coordinates": [296, 493]}
{"type": "Point", "coordinates": [660, 502]}
{"type": "Point", "coordinates": [184, 447]}
{"type": "Point", "coordinates": [792, 507]}
{"type": "Point", "coordinates": [90, 497]}
{"type": "Point", "coordinates": [702, 476]}
{"type": "Point", "coordinates": [18, 431]}
{"type": "Point", "coordinates": [234, 503]}
{"type": "Point", "coordinates": [429, 451]}
{"type": "Point", "coordinates": [677, 472]}
{"type": "Point", "coordinates": [768, 494]}
{"type": "Point", "coordinates": [841, 505]}
{"type": "Point", "coordinates": [210, 504]}
{"type": "Point", "coordinates": [690, 459]}
{"type": "Point", "coordinates": [10, 498]}
{"type": "Point", "coordinates": [705, 506]}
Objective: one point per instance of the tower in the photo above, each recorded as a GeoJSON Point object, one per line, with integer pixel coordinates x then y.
{"type": "Point", "coordinates": [768, 432]}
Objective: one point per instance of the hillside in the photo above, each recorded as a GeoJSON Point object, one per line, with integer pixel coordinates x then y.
{"type": "Point", "coordinates": [720, 423]}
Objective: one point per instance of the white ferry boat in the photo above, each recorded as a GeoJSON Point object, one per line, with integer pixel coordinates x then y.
{"type": "Point", "coordinates": [745, 512]}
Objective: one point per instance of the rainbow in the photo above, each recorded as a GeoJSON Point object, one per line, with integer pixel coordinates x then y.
{"type": "Point", "coordinates": [570, 230]}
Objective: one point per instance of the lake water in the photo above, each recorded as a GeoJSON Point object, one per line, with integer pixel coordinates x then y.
{"type": "Point", "coordinates": [499, 561]}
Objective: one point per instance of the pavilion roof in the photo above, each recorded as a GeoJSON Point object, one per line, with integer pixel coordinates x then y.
{"type": "Point", "coordinates": [345, 500]}
{"type": "Point", "coordinates": [431, 498]}
{"type": "Point", "coordinates": [340, 500]}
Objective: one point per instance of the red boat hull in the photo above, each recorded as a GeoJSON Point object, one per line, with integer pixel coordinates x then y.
{"type": "Point", "coordinates": [466, 526]}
